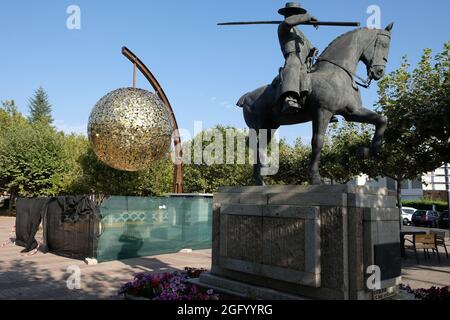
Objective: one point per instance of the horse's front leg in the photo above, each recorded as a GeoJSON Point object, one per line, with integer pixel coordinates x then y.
{"type": "Point", "coordinates": [321, 119]}
{"type": "Point", "coordinates": [364, 115]}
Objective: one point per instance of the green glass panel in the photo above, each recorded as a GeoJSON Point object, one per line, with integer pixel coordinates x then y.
{"type": "Point", "coordinates": [138, 226]}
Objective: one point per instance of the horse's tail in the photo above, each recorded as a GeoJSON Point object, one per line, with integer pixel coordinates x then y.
{"type": "Point", "coordinates": [243, 100]}
{"type": "Point", "coordinates": [257, 105]}
{"type": "Point", "coordinates": [262, 95]}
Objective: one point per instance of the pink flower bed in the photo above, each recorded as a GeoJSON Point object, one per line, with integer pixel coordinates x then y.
{"type": "Point", "coordinates": [167, 286]}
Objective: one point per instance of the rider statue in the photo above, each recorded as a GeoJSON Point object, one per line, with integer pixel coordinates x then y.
{"type": "Point", "coordinates": [307, 91]}
{"type": "Point", "coordinates": [299, 55]}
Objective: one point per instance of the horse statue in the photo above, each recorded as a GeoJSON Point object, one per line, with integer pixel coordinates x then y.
{"type": "Point", "coordinates": [334, 91]}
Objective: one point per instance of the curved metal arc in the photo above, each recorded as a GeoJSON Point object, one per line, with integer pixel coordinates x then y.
{"type": "Point", "coordinates": [178, 176]}
{"type": "Point", "coordinates": [151, 78]}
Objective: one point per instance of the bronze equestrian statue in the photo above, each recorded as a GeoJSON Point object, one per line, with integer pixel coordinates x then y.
{"type": "Point", "coordinates": [325, 89]}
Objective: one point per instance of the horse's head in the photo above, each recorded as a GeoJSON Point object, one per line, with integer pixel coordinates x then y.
{"type": "Point", "coordinates": [375, 56]}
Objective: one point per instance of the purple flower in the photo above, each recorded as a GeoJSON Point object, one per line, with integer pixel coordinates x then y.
{"type": "Point", "coordinates": [168, 286]}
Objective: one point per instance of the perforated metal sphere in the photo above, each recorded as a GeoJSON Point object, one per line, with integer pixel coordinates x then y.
{"type": "Point", "coordinates": [130, 129]}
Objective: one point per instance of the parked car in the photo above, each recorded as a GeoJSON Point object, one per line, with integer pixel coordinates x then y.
{"type": "Point", "coordinates": [427, 218]}
{"type": "Point", "coordinates": [407, 213]}
{"type": "Point", "coordinates": [443, 220]}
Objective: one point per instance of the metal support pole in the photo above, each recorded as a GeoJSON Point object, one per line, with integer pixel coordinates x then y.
{"type": "Point", "coordinates": [134, 74]}
{"type": "Point", "coordinates": [447, 188]}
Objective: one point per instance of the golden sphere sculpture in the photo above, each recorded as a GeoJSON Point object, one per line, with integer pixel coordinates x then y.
{"type": "Point", "coordinates": [129, 129]}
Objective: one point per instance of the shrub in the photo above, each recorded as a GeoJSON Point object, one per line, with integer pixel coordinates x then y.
{"type": "Point", "coordinates": [426, 204]}
{"type": "Point", "coordinates": [167, 286]}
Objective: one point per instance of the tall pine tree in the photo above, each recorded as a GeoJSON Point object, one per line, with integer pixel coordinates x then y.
{"type": "Point", "coordinates": [40, 108]}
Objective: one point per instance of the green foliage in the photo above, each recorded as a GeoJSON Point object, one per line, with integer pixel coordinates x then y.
{"type": "Point", "coordinates": [426, 204]}
{"type": "Point", "coordinates": [204, 178]}
{"type": "Point", "coordinates": [95, 177]}
{"type": "Point", "coordinates": [430, 101]}
{"type": "Point", "coordinates": [40, 108]}
{"type": "Point", "coordinates": [340, 161]}
{"type": "Point", "coordinates": [293, 164]}
{"type": "Point", "coordinates": [30, 159]}
{"type": "Point", "coordinates": [9, 114]}
{"type": "Point", "coordinates": [73, 149]}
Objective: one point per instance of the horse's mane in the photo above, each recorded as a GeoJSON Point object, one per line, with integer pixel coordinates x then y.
{"type": "Point", "coordinates": [332, 44]}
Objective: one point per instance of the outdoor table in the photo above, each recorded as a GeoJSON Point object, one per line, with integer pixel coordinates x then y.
{"type": "Point", "coordinates": [404, 233]}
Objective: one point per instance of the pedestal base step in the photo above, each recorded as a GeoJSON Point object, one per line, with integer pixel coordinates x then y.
{"type": "Point", "coordinates": [240, 289]}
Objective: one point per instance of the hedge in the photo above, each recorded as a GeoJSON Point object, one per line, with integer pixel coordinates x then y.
{"type": "Point", "coordinates": [426, 204]}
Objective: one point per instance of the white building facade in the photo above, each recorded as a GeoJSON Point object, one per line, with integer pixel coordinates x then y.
{"type": "Point", "coordinates": [430, 185]}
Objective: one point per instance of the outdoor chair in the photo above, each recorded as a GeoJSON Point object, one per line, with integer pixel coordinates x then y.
{"type": "Point", "coordinates": [424, 242]}
{"type": "Point", "coordinates": [440, 240]}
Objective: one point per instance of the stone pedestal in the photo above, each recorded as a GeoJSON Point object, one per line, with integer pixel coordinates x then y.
{"type": "Point", "coordinates": [288, 242]}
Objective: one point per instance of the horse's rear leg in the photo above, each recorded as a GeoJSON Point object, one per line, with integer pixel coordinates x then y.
{"type": "Point", "coordinates": [258, 178]}
{"type": "Point", "coordinates": [364, 115]}
{"type": "Point", "coordinates": [254, 142]}
{"type": "Point", "coordinates": [261, 154]}
{"type": "Point", "coordinates": [320, 123]}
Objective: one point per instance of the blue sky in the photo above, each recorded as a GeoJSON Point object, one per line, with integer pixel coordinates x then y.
{"type": "Point", "coordinates": [203, 68]}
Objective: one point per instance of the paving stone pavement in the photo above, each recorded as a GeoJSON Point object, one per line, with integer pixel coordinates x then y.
{"type": "Point", "coordinates": [44, 276]}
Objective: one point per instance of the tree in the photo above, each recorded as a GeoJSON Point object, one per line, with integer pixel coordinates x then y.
{"type": "Point", "coordinates": [73, 148]}
{"type": "Point", "coordinates": [293, 164]}
{"type": "Point", "coordinates": [40, 108]}
{"type": "Point", "coordinates": [416, 104]}
{"type": "Point", "coordinates": [340, 162]}
{"type": "Point", "coordinates": [30, 159]}
{"type": "Point", "coordinates": [8, 114]}
{"type": "Point", "coordinates": [430, 101]}
{"type": "Point", "coordinates": [94, 177]}
{"type": "Point", "coordinates": [10, 117]}
{"type": "Point", "coordinates": [205, 175]}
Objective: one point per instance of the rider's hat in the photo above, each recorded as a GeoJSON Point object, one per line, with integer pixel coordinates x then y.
{"type": "Point", "coordinates": [291, 8]}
